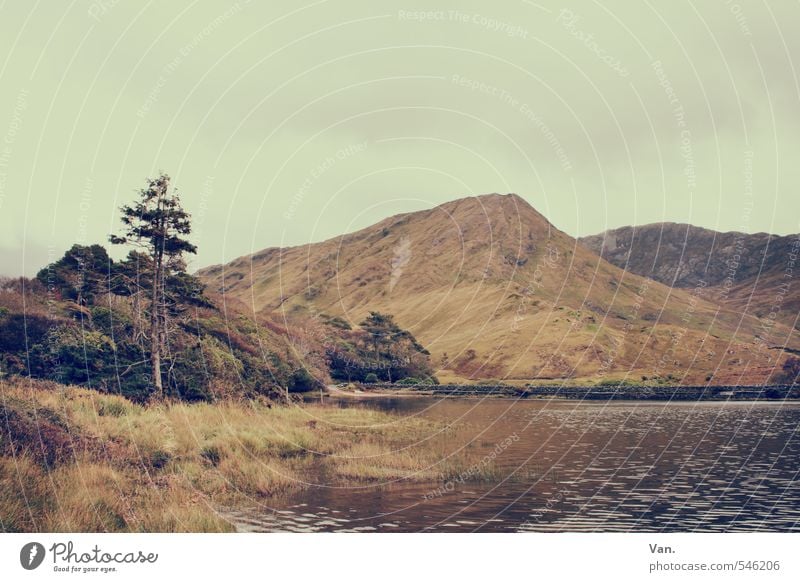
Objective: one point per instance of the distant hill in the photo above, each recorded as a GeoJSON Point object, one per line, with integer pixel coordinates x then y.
{"type": "Point", "coordinates": [749, 272]}
{"type": "Point", "coordinates": [494, 291]}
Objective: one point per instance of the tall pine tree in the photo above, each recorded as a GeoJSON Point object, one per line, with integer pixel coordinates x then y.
{"type": "Point", "coordinates": [157, 225]}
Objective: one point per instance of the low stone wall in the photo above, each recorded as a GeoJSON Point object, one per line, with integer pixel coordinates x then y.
{"type": "Point", "coordinates": [673, 393]}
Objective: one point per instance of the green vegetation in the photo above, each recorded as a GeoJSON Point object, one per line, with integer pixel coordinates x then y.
{"type": "Point", "coordinates": [156, 224]}
{"type": "Point", "coordinates": [411, 381]}
{"type": "Point", "coordinates": [144, 328]}
{"type": "Point", "coordinates": [102, 342]}
{"type": "Point", "coordinates": [611, 383]}
{"type": "Point", "coordinates": [379, 351]}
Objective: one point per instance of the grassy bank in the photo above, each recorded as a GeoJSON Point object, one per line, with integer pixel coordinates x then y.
{"type": "Point", "coordinates": [77, 460]}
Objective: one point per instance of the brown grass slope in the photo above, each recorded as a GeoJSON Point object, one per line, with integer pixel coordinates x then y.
{"type": "Point", "coordinates": [494, 290]}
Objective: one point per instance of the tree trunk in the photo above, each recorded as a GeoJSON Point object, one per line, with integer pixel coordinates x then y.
{"type": "Point", "coordinates": [155, 334]}
{"type": "Point", "coordinates": [156, 320]}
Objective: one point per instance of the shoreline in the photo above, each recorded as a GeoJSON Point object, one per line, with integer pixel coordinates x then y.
{"type": "Point", "coordinates": [593, 393]}
{"type": "Point", "coordinates": [75, 459]}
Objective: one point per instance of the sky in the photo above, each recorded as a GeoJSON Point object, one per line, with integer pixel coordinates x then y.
{"type": "Point", "coordinates": [286, 122]}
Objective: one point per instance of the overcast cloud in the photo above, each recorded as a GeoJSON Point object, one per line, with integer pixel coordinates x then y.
{"type": "Point", "coordinates": [290, 123]}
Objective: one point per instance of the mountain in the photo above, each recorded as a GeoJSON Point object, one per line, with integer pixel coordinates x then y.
{"type": "Point", "coordinates": [494, 291]}
{"type": "Point", "coordinates": [747, 272]}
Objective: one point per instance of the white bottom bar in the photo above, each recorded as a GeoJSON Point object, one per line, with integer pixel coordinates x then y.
{"type": "Point", "coordinates": [355, 557]}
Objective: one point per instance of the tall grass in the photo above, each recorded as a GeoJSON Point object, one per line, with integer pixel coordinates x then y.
{"type": "Point", "coordinates": [165, 467]}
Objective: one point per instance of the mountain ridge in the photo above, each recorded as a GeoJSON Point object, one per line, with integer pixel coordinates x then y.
{"type": "Point", "coordinates": [494, 290]}
{"type": "Point", "coordinates": [743, 271]}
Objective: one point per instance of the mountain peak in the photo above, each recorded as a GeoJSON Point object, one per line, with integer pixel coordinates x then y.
{"type": "Point", "coordinates": [496, 209]}
{"type": "Point", "coordinates": [490, 287]}
{"type": "Point", "coordinates": [493, 200]}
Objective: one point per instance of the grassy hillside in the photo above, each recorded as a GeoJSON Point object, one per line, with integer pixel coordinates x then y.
{"type": "Point", "coordinates": [493, 290]}
{"type": "Point", "coordinates": [81, 322]}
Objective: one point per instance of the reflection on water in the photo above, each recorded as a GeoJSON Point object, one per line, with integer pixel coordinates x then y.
{"type": "Point", "coordinates": [579, 467]}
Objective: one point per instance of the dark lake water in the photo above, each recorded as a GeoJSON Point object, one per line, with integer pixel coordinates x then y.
{"type": "Point", "coordinates": [578, 467]}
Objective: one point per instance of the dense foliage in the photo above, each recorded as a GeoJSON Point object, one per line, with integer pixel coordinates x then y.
{"type": "Point", "coordinates": [81, 322]}
{"type": "Point", "coordinates": [378, 351]}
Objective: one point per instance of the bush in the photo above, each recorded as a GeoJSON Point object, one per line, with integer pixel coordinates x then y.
{"type": "Point", "coordinates": [159, 459]}
{"type": "Point", "coordinates": [111, 323]}
{"type": "Point", "coordinates": [72, 355]}
{"type": "Point", "coordinates": [302, 381]}
{"type": "Point", "coordinates": [609, 383]}
{"type": "Point", "coordinates": [188, 377]}
{"type": "Point", "coordinates": [337, 322]}
{"type": "Point", "coordinates": [371, 378]}
{"type": "Point", "coordinates": [18, 330]}
{"type": "Point", "coordinates": [115, 408]}
{"type": "Point", "coordinates": [790, 372]}
{"type": "Point", "coordinates": [410, 380]}
{"type": "Point", "coordinates": [212, 454]}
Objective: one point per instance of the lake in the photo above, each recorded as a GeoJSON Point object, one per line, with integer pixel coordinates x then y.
{"type": "Point", "coordinates": [568, 466]}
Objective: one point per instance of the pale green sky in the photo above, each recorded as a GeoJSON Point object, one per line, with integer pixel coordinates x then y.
{"type": "Point", "coordinates": [298, 121]}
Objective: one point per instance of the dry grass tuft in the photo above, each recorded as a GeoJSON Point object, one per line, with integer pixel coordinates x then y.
{"type": "Point", "coordinates": [120, 466]}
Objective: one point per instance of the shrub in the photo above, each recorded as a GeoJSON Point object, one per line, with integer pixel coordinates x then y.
{"type": "Point", "coordinates": [371, 378]}
{"type": "Point", "coordinates": [410, 380]}
{"type": "Point", "coordinates": [115, 408]}
{"type": "Point", "coordinates": [212, 454]}
{"type": "Point", "coordinates": [73, 355]}
{"type": "Point", "coordinates": [159, 459]}
{"type": "Point", "coordinates": [110, 322]}
{"type": "Point", "coordinates": [790, 372]}
{"type": "Point", "coordinates": [188, 376]}
{"type": "Point", "coordinates": [18, 330]}
{"type": "Point", "coordinates": [302, 381]}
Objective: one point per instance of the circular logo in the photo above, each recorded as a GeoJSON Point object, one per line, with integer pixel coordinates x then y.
{"type": "Point", "coordinates": [31, 555]}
